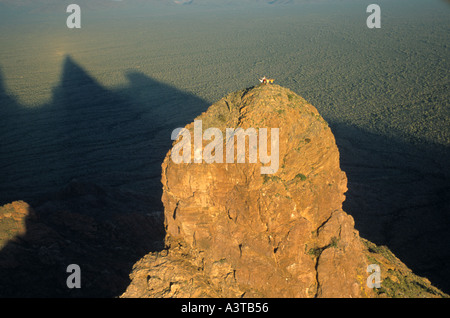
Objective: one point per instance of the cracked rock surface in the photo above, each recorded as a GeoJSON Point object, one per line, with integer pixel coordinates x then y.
{"type": "Point", "coordinates": [234, 232]}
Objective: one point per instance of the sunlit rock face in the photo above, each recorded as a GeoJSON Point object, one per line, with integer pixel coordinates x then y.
{"type": "Point", "coordinates": [264, 227]}
{"type": "Point", "coordinates": [233, 231]}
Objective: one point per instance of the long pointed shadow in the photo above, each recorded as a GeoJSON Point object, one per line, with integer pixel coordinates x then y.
{"type": "Point", "coordinates": [90, 132]}
{"type": "Point", "coordinates": [89, 164]}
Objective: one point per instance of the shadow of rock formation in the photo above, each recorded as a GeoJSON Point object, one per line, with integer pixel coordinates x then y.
{"type": "Point", "coordinates": [90, 133]}
{"type": "Point", "coordinates": [89, 165]}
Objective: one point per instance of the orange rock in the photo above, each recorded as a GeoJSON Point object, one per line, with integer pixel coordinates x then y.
{"type": "Point", "coordinates": [13, 220]}
{"type": "Point", "coordinates": [233, 232]}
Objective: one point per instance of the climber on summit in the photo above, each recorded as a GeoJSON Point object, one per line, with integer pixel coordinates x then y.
{"type": "Point", "coordinates": [265, 80]}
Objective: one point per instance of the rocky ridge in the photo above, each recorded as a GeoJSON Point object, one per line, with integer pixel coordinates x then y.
{"type": "Point", "coordinates": [103, 230]}
{"type": "Point", "coordinates": [233, 232]}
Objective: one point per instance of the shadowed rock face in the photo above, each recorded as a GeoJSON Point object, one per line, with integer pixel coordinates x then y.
{"type": "Point", "coordinates": [232, 231]}
{"type": "Point", "coordinates": [83, 225]}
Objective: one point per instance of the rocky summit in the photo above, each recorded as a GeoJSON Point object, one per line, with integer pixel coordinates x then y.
{"type": "Point", "coordinates": [232, 231]}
